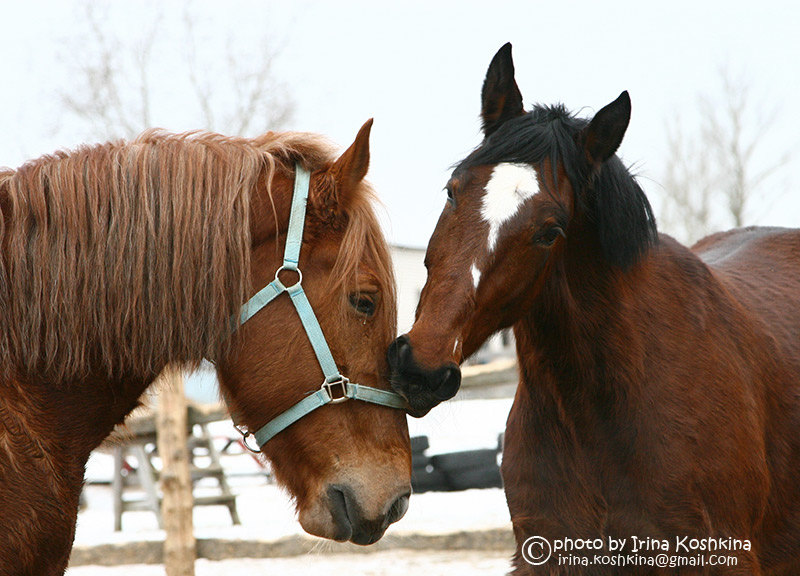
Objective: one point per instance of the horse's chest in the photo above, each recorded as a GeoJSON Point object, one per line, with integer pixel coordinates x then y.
{"type": "Point", "coordinates": [559, 480]}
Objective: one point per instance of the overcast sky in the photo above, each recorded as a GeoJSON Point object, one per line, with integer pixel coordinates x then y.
{"type": "Point", "coordinates": [417, 68]}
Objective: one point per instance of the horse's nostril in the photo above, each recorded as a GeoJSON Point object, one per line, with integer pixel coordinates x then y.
{"type": "Point", "coordinates": [338, 509]}
{"type": "Point", "coordinates": [398, 509]}
{"type": "Point", "coordinates": [399, 351]}
{"type": "Point", "coordinates": [449, 383]}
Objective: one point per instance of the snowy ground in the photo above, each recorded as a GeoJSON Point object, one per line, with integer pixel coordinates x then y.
{"type": "Point", "coordinates": [267, 513]}
{"type": "Point", "coordinates": [390, 563]}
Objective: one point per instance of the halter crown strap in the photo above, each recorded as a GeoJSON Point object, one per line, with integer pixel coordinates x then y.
{"type": "Point", "coordinates": [297, 218]}
{"type": "Point", "coordinates": [291, 254]}
{"type": "Point", "coordinates": [325, 395]}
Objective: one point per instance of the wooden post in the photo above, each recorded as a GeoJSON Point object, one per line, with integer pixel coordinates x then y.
{"type": "Point", "coordinates": [176, 481]}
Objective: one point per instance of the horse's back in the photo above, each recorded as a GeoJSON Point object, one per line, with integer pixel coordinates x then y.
{"type": "Point", "coordinates": [751, 245]}
{"type": "Point", "coordinates": [761, 268]}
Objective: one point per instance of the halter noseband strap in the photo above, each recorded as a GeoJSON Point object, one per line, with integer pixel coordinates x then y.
{"type": "Point", "coordinates": [328, 393]}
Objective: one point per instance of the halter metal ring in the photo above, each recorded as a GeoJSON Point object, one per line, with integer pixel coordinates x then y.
{"type": "Point", "coordinates": [328, 387]}
{"type": "Point", "coordinates": [297, 270]}
{"type": "Point", "coordinates": [245, 434]}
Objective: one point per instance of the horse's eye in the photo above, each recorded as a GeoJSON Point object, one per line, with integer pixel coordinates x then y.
{"type": "Point", "coordinates": [450, 196]}
{"type": "Point", "coordinates": [548, 237]}
{"type": "Point", "coordinates": [363, 303]}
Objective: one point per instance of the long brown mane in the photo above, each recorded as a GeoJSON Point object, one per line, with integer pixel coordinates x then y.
{"type": "Point", "coordinates": [127, 256]}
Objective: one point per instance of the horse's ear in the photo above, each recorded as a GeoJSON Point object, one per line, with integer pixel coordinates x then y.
{"type": "Point", "coordinates": [625, 224]}
{"type": "Point", "coordinates": [603, 135]}
{"type": "Point", "coordinates": [501, 99]}
{"type": "Point", "coordinates": [351, 167]}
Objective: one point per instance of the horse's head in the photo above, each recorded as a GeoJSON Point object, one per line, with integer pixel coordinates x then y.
{"type": "Point", "coordinates": [512, 207]}
{"type": "Point", "coordinates": [347, 465]}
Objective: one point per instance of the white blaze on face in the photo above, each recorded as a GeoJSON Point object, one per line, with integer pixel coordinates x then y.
{"type": "Point", "coordinates": [507, 189]}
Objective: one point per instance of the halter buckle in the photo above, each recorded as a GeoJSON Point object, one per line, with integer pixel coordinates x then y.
{"type": "Point", "coordinates": [341, 394]}
{"type": "Point", "coordinates": [245, 434]}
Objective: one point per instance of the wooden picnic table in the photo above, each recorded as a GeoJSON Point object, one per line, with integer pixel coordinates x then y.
{"type": "Point", "coordinates": [136, 487]}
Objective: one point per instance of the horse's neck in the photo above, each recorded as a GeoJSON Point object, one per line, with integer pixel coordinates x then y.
{"type": "Point", "coordinates": [585, 344]}
{"type": "Point", "coordinates": [66, 422]}
{"type": "Point", "coordinates": [575, 412]}
{"type": "Point", "coordinates": [46, 435]}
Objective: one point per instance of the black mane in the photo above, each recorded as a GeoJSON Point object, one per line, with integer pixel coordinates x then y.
{"type": "Point", "coordinates": [610, 197]}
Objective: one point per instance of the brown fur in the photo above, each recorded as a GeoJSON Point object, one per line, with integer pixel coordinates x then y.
{"type": "Point", "coordinates": [674, 389]}
{"type": "Point", "coordinates": [659, 390]}
{"type": "Point", "coordinates": [120, 259]}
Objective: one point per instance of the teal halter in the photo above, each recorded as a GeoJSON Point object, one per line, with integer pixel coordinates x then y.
{"type": "Point", "coordinates": [336, 388]}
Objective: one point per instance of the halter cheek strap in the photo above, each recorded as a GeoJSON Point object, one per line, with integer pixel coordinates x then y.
{"type": "Point", "coordinates": [336, 388]}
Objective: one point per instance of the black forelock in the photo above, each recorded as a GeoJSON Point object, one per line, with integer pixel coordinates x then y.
{"type": "Point", "coordinates": [546, 132]}
{"type": "Point", "coordinates": [610, 197]}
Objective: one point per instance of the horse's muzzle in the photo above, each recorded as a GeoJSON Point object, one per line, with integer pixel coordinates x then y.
{"type": "Point", "coordinates": [423, 388]}
{"type": "Point", "coordinates": [351, 522]}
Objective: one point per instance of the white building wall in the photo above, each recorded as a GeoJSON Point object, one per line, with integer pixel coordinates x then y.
{"type": "Point", "coordinates": [410, 273]}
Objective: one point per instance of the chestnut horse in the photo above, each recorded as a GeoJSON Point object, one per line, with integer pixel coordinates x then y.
{"type": "Point", "coordinates": [659, 389]}
{"type": "Point", "coordinates": [121, 259]}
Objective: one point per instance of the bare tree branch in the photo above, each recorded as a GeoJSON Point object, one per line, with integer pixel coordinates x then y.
{"type": "Point", "coordinates": [202, 91]}
{"type": "Point", "coordinates": [717, 165]}
{"type": "Point", "coordinates": [690, 183]}
{"type": "Point", "coordinates": [143, 56]}
{"type": "Point", "coordinates": [118, 81]}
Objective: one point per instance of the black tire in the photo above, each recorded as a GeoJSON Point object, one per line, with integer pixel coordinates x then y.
{"type": "Point", "coordinates": [463, 461]}
{"type": "Point", "coordinates": [429, 480]}
{"type": "Point", "coordinates": [419, 444]}
{"type": "Point", "coordinates": [487, 477]}
{"type": "Point", "coordinates": [419, 461]}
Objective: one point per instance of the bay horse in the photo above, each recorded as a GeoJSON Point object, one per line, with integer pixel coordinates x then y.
{"type": "Point", "coordinates": [659, 392]}
{"type": "Point", "coordinates": [123, 258]}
